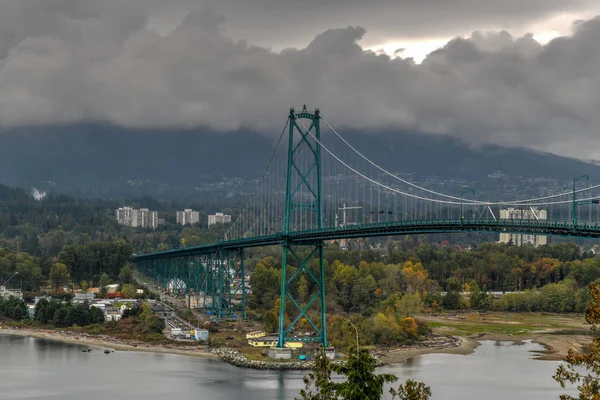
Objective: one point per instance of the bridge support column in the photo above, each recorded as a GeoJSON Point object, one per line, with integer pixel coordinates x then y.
{"type": "Point", "coordinates": [301, 307]}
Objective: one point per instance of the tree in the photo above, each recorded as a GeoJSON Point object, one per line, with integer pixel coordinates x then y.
{"type": "Point", "coordinates": [588, 384]}
{"type": "Point", "coordinates": [129, 290]}
{"type": "Point", "coordinates": [59, 275]}
{"type": "Point", "coordinates": [410, 304]}
{"type": "Point", "coordinates": [126, 275]}
{"type": "Point", "coordinates": [362, 383]}
{"type": "Point", "coordinates": [302, 289]}
{"type": "Point", "coordinates": [317, 384]}
{"type": "Point", "coordinates": [412, 390]}
{"type": "Point", "coordinates": [104, 280]}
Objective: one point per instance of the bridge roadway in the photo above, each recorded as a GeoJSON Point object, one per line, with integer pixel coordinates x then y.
{"type": "Point", "coordinates": [523, 226]}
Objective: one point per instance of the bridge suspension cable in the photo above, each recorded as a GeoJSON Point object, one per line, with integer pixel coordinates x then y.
{"type": "Point", "coordinates": [258, 185]}
{"type": "Point", "coordinates": [451, 202]}
{"type": "Point", "coordinates": [525, 202]}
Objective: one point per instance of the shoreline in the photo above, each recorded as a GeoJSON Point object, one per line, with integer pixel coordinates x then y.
{"type": "Point", "coordinates": [556, 347]}
{"type": "Point", "coordinates": [105, 342]}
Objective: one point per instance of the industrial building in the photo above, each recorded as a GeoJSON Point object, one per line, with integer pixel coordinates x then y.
{"type": "Point", "coordinates": [520, 239]}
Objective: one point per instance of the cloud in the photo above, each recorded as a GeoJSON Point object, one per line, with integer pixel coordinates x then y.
{"type": "Point", "coordinates": [72, 61]}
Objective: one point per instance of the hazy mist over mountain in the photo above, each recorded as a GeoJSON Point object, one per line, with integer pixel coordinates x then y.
{"type": "Point", "coordinates": [94, 160]}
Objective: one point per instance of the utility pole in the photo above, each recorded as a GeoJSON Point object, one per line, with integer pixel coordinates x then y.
{"type": "Point", "coordinates": [356, 329]}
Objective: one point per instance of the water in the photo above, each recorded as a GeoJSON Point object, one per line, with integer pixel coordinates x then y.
{"type": "Point", "coordinates": [38, 369]}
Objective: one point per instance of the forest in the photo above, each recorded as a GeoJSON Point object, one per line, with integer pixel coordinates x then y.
{"type": "Point", "coordinates": [382, 284]}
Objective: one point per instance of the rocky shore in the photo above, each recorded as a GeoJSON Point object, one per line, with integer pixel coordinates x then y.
{"type": "Point", "coordinates": [234, 357]}
{"type": "Point", "coordinates": [436, 344]}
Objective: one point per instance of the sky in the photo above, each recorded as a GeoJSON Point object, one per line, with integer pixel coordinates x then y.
{"type": "Point", "coordinates": [509, 72]}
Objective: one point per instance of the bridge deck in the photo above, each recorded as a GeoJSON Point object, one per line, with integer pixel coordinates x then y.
{"type": "Point", "coordinates": [542, 227]}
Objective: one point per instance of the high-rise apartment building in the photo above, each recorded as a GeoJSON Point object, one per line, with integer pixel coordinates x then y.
{"type": "Point", "coordinates": [218, 218]}
{"type": "Point", "coordinates": [142, 218]}
{"type": "Point", "coordinates": [125, 215]}
{"type": "Point", "coordinates": [520, 239]}
{"type": "Point", "coordinates": [188, 217]}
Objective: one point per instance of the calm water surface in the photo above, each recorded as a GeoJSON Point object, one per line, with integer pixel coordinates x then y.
{"type": "Point", "coordinates": [37, 369]}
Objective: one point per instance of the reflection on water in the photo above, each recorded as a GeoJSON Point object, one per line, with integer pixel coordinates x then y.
{"type": "Point", "coordinates": [38, 369]}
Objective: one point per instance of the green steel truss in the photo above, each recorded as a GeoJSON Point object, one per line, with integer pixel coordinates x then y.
{"type": "Point", "coordinates": [303, 195]}
{"type": "Point", "coordinates": [219, 277]}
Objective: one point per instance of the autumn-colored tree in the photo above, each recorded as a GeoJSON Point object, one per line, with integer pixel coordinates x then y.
{"type": "Point", "coordinates": [409, 326]}
{"type": "Point", "coordinates": [415, 276]}
{"type": "Point", "coordinates": [588, 383]}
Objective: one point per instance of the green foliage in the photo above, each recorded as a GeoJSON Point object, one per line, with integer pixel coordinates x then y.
{"type": "Point", "coordinates": [13, 308]}
{"type": "Point", "coordinates": [104, 280]}
{"type": "Point", "coordinates": [361, 381]}
{"type": "Point", "coordinates": [317, 384]}
{"type": "Point", "coordinates": [412, 390]}
{"type": "Point", "coordinates": [583, 369]}
{"type": "Point", "coordinates": [129, 290]}
{"type": "Point", "coordinates": [65, 314]}
{"type": "Point", "coordinates": [141, 321]}
{"type": "Point", "coordinates": [29, 269]}
{"type": "Point", "coordinates": [88, 262]}
{"type": "Point", "coordinates": [126, 275]}
{"type": "Point", "coordinates": [59, 275]}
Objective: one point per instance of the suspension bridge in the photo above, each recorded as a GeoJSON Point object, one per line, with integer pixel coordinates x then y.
{"type": "Point", "coordinates": [318, 188]}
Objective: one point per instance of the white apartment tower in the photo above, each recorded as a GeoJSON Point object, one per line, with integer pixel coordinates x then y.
{"type": "Point", "coordinates": [218, 218]}
{"type": "Point", "coordinates": [188, 217]}
{"type": "Point", "coordinates": [125, 215]}
{"type": "Point", "coordinates": [142, 218]}
{"type": "Point", "coordinates": [520, 239]}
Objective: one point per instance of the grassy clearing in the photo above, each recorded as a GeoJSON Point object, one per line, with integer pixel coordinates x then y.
{"type": "Point", "coordinates": [513, 324]}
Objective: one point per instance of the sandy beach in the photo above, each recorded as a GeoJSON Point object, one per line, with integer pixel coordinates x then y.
{"type": "Point", "coordinates": [105, 342]}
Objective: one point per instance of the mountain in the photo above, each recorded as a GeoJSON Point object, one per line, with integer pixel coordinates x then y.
{"type": "Point", "coordinates": [94, 160]}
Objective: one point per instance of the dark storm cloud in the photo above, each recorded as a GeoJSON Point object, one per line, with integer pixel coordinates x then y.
{"type": "Point", "coordinates": [64, 61]}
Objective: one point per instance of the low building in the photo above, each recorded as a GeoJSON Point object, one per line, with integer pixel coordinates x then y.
{"type": "Point", "coordinates": [256, 334]}
{"type": "Point", "coordinates": [272, 341]}
{"type": "Point", "coordinates": [8, 293]}
{"type": "Point", "coordinates": [81, 297]}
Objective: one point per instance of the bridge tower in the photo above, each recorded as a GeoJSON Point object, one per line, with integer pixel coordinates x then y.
{"type": "Point", "coordinates": [303, 210]}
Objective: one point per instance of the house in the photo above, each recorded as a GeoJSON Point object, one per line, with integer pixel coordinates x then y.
{"type": "Point", "coordinates": [81, 297]}
{"type": "Point", "coordinates": [112, 288]}
{"type": "Point", "coordinates": [37, 299]}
